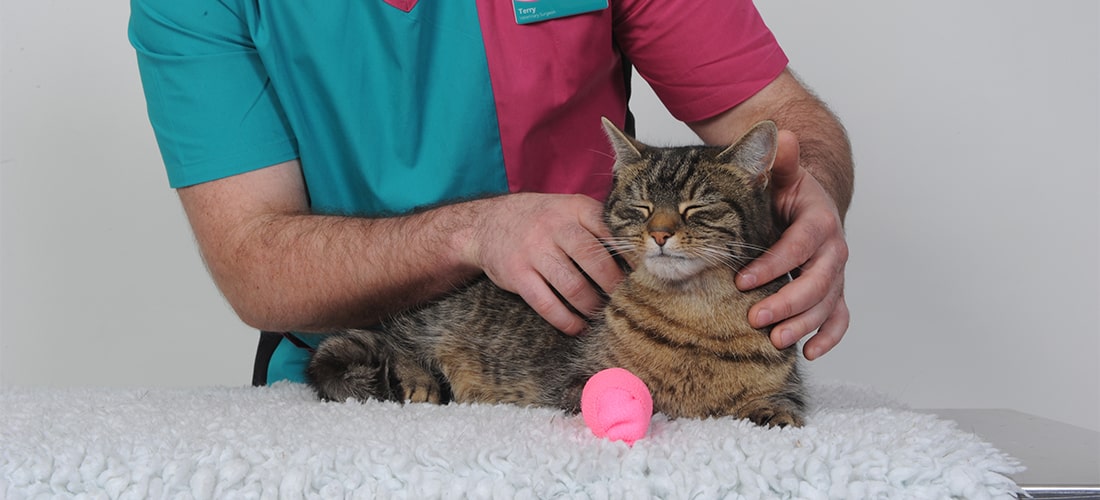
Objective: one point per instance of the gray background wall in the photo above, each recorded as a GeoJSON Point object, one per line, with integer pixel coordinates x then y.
{"type": "Point", "coordinates": [974, 275]}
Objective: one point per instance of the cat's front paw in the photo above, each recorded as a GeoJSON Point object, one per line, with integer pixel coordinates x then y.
{"type": "Point", "coordinates": [421, 387]}
{"type": "Point", "coordinates": [776, 415]}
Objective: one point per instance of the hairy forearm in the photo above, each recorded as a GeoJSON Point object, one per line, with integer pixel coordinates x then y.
{"type": "Point", "coordinates": [306, 272]}
{"type": "Point", "coordinates": [282, 267]}
{"type": "Point", "coordinates": [824, 149]}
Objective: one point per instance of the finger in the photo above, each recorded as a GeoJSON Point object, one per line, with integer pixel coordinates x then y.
{"type": "Point", "coordinates": [830, 333]}
{"type": "Point", "coordinates": [785, 169]}
{"type": "Point", "coordinates": [558, 270]}
{"type": "Point", "coordinates": [590, 216]}
{"type": "Point", "coordinates": [788, 332]}
{"type": "Point", "coordinates": [822, 275]}
{"type": "Point", "coordinates": [546, 303]}
{"type": "Point", "coordinates": [590, 255]}
{"type": "Point", "coordinates": [796, 245]}
{"type": "Point", "coordinates": [586, 249]}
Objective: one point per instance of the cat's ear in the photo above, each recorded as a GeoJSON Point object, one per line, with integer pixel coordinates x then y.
{"type": "Point", "coordinates": [755, 151]}
{"type": "Point", "coordinates": [627, 149]}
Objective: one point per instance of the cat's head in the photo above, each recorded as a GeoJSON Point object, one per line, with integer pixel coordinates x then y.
{"type": "Point", "coordinates": [675, 212]}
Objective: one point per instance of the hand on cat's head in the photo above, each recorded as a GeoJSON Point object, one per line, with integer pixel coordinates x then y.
{"type": "Point", "coordinates": [814, 242]}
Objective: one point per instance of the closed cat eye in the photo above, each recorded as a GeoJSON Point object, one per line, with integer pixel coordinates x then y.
{"type": "Point", "coordinates": [687, 209]}
{"type": "Point", "coordinates": [646, 209]}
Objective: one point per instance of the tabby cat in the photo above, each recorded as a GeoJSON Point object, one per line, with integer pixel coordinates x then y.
{"type": "Point", "coordinates": [685, 220]}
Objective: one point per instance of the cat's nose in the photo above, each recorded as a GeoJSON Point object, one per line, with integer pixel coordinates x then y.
{"type": "Point", "coordinates": [660, 237]}
{"type": "Point", "coordinates": [662, 226]}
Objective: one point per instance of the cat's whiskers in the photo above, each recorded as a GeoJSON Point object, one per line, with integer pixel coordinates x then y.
{"type": "Point", "coordinates": [617, 245]}
{"type": "Point", "coordinates": [601, 153]}
{"type": "Point", "coordinates": [735, 261]}
{"type": "Point", "coordinates": [606, 249]}
{"type": "Point", "coordinates": [717, 257]}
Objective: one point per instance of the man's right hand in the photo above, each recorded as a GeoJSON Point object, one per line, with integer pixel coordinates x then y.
{"type": "Point", "coordinates": [547, 249]}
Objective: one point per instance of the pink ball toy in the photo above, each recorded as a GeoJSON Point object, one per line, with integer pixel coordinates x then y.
{"type": "Point", "coordinates": [617, 405]}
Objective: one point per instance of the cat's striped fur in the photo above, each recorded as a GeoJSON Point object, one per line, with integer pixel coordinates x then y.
{"type": "Point", "coordinates": [686, 220]}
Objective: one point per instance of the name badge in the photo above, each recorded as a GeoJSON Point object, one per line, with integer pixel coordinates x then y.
{"type": "Point", "coordinates": [533, 11]}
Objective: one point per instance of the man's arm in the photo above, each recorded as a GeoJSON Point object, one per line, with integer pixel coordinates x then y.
{"type": "Point", "coordinates": [812, 182]}
{"type": "Point", "coordinates": [282, 268]}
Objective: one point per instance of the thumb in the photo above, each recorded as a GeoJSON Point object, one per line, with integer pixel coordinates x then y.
{"type": "Point", "coordinates": [785, 169]}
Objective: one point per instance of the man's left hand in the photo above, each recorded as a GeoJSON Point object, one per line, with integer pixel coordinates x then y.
{"type": "Point", "coordinates": [814, 245]}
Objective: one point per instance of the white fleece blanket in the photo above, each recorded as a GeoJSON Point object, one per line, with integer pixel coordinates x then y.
{"type": "Point", "coordinates": [280, 442]}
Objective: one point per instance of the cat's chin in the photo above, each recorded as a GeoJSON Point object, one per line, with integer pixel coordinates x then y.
{"type": "Point", "coordinates": [672, 268]}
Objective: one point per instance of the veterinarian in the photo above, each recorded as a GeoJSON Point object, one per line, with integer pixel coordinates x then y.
{"type": "Point", "coordinates": [305, 140]}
